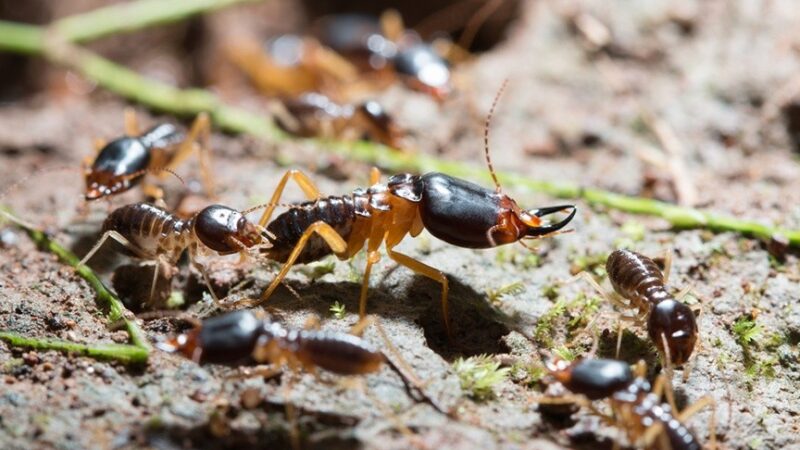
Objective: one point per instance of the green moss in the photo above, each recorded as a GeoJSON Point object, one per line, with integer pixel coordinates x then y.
{"type": "Point", "coordinates": [746, 331]}
{"type": "Point", "coordinates": [544, 326]}
{"type": "Point", "coordinates": [479, 375]}
{"type": "Point", "coordinates": [496, 295]}
{"type": "Point", "coordinates": [565, 353]}
{"type": "Point", "coordinates": [338, 310]}
{"type": "Point", "coordinates": [175, 300]}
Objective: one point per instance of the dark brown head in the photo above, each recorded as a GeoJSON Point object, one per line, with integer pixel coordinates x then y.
{"type": "Point", "coordinates": [119, 166]}
{"type": "Point", "coordinates": [593, 378]}
{"type": "Point", "coordinates": [675, 321]}
{"type": "Point", "coordinates": [379, 126]}
{"type": "Point", "coordinates": [226, 230]}
{"type": "Point", "coordinates": [226, 339]}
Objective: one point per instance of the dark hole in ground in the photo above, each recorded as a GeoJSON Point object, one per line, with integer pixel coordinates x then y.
{"type": "Point", "coordinates": [429, 17]}
{"type": "Point", "coordinates": [474, 332]}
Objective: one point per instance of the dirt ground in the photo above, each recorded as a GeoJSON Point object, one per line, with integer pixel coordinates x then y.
{"type": "Point", "coordinates": [722, 77]}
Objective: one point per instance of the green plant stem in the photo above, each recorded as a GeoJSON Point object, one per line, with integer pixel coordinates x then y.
{"type": "Point", "coordinates": [186, 102]}
{"type": "Point", "coordinates": [116, 310]}
{"type": "Point", "coordinates": [127, 354]}
{"type": "Point", "coordinates": [131, 16]}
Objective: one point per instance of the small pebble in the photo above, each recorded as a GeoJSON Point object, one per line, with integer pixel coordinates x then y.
{"type": "Point", "coordinates": [251, 398]}
{"type": "Point", "coordinates": [30, 358]}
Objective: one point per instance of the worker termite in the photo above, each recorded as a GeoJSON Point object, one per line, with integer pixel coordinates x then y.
{"type": "Point", "coordinates": [247, 338]}
{"type": "Point", "coordinates": [671, 324]}
{"type": "Point", "coordinates": [242, 338]}
{"type": "Point", "coordinates": [122, 163]}
{"type": "Point", "coordinates": [454, 210]}
{"type": "Point", "coordinates": [154, 234]}
{"type": "Point", "coordinates": [637, 407]}
{"type": "Point", "coordinates": [316, 115]}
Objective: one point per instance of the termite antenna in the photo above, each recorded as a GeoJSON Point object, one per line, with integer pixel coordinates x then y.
{"type": "Point", "coordinates": [265, 205]}
{"type": "Point", "coordinates": [153, 170]}
{"type": "Point", "coordinates": [486, 134]}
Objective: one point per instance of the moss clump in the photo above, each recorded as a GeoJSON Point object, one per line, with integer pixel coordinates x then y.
{"type": "Point", "coordinates": [496, 295]}
{"type": "Point", "coordinates": [338, 310]}
{"type": "Point", "coordinates": [479, 375]}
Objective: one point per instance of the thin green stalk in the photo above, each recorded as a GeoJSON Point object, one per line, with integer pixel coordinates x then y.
{"type": "Point", "coordinates": [110, 20]}
{"type": "Point", "coordinates": [116, 310]}
{"type": "Point", "coordinates": [126, 354]}
{"type": "Point", "coordinates": [131, 16]}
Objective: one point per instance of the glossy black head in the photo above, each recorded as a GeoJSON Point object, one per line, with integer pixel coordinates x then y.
{"type": "Point", "coordinates": [424, 70]}
{"type": "Point", "coordinates": [115, 166]}
{"type": "Point", "coordinates": [467, 215]}
{"type": "Point", "coordinates": [677, 323]}
{"type": "Point", "coordinates": [227, 339]}
{"type": "Point", "coordinates": [595, 378]}
{"type": "Point", "coordinates": [225, 230]}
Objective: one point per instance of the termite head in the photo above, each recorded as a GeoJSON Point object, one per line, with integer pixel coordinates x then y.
{"type": "Point", "coordinates": [593, 378]}
{"type": "Point", "coordinates": [226, 230]}
{"type": "Point", "coordinates": [676, 323]}
{"type": "Point", "coordinates": [424, 70]}
{"type": "Point", "coordinates": [468, 215]}
{"type": "Point", "coordinates": [118, 167]}
{"type": "Point", "coordinates": [227, 339]}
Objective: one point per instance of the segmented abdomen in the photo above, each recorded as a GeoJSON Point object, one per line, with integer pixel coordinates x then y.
{"type": "Point", "coordinates": [679, 436]}
{"type": "Point", "coordinates": [636, 276]}
{"type": "Point", "coordinates": [340, 353]}
{"type": "Point", "coordinates": [154, 231]}
{"type": "Point", "coordinates": [338, 212]}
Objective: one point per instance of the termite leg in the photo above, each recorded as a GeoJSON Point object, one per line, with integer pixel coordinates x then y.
{"type": "Point", "coordinates": [578, 400]}
{"type": "Point", "coordinates": [199, 138]}
{"type": "Point", "coordinates": [608, 296]}
{"type": "Point", "coordinates": [374, 176]}
{"type": "Point", "coordinates": [200, 268]}
{"type": "Point", "coordinates": [428, 271]}
{"type": "Point", "coordinates": [302, 180]}
{"type": "Point", "coordinates": [131, 123]}
{"type": "Point", "coordinates": [117, 237]}
{"type": "Point", "coordinates": [372, 257]}
{"type": "Point", "coordinates": [692, 409]}
{"type": "Point", "coordinates": [663, 387]}
{"type": "Point", "coordinates": [667, 264]}
{"type": "Point", "coordinates": [325, 231]}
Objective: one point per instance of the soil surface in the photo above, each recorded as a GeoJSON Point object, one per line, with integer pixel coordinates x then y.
{"type": "Point", "coordinates": [692, 102]}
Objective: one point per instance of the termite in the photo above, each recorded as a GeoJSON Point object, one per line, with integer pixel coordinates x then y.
{"type": "Point", "coordinates": [243, 338]}
{"type": "Point", "coordinates": [316, 115]}
{"type": "Point", "coordinates": [247, 338]}
{"type": "Point", "coordinates": [154, 234]}
{"type": "Point", "coordinates": [671, 325]}
{"type": "Point", "coordinates": [637, 406]}
{"type": "Point", "coordinates": [454, 210]}
{"type": "Point", "coordinates": [122, 163]}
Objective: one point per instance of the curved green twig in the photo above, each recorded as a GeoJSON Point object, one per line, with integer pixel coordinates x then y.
{"type": "Point", "coordinates": [126, 354]}
{"type": "Point", "coordinates": [106, 299]}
